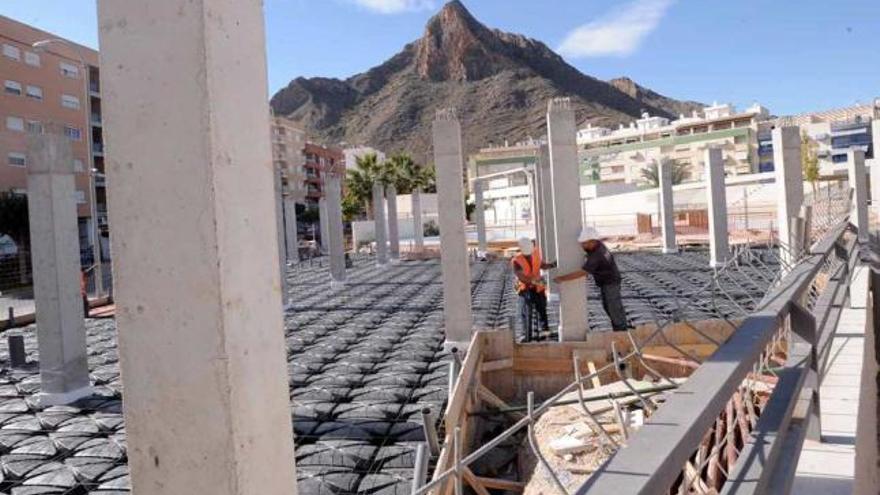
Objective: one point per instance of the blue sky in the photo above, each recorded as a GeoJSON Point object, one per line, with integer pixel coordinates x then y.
{"type": "Point", "coordinates": [791, 56]}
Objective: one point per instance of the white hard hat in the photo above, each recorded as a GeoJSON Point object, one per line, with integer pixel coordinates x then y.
{"type": "Point", "coordinates": [525, 245]}
{"type": "Point", "coordinates": [587, 233]}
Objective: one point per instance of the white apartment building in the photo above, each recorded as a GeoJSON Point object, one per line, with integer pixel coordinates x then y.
{"type": "Point", "coordinates": [619, 156]}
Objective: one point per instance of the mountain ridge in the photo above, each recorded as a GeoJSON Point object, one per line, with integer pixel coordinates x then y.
{"type": "Point", "coordinates": [499, 82]}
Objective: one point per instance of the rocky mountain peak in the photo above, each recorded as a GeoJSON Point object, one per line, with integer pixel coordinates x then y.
{"type": "Point", "coordinates": [457, 47]}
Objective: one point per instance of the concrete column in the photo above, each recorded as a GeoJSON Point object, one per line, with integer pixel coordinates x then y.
{"type": "Point", "coordinates": [561, 130]}
{"type": "Point", "coordinates": [279, 225]}
{"type": "Point", "coordinates": [290, 230]}
{"type": "Point", "coordinates": [480, 217]}
{"type": "Point", "coordinates": [61, 334]}
{"type": "Point", "coordinates": [201, 337]}
{"type": "Point", "coordinates": [789, 187]}
{"type": "Point", "coordinates": [548, 217]}
{"type": "Point", "coordinates": [858, 182]}
{"type": "Point", "coordinates": [323, 222]}
{"type": "Point", "coordinates": [454, 260]}
{"type": "Point", "coordinates": [716, 197]}
{"type": "Point", "coordinates": [393, 226]}
{"type": "Point", "coordinates": [336, 239]}
{"type": "Point", "coordinates": [418, 224]}
{"type": "Point", "coordinates": [667, 206]}
{"type": "Point", "coordinates": [379, 216]}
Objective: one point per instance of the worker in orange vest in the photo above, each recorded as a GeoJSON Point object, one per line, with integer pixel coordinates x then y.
{"type": "Point", "coordinates": [530, 287]}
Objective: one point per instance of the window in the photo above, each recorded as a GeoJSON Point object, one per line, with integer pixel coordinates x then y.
{"type": "Point", "coordinates": [11, 52]}
{"type": "Point", "coordinates": [16, 160]}
{"type": "Point", "coordinates": [70, 101]}
{"type": "Point", "coordinates": [73, 133]}
{"type": "Point", "coordinates": [31, 58]}
{"type": "Point", "coordinates": [13, 88]}
{"type": "Point", "coordinates": [34, 127]}
{"type": "Point", "coordinates": [15, 124]}
{"type": "Point", "coordinates": [80, 197]}
{"type": "Point", "coordinates": [35, 92]}
{"type": "Point", "coordinates": [78, 166]}
{"type": "Point", "coordinates": [69, 70]}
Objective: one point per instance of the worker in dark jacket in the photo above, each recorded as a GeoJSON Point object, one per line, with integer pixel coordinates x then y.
{"type": "Point", "coordinates": [599, 262]}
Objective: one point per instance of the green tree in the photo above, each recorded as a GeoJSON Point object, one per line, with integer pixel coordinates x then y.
{"type": "Point", "coordinates": [411, 176]}
{"type": "Point", "coordinates": [359, 182]}
{"type": "Point", "coordinates": [810, 161]}
{"type": "Point", "coordinates": [651, 174]}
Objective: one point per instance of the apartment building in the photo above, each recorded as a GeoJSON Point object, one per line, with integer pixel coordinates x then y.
{"type": "Point", "coordinates": [54, 87]}
{"type": "Point", "coordinates": [833, 132]}
{"type": "Point", "coordinates": [620, 156]}
{"type": "Point", "coordinates": [319, 161]}
{"type": "Point", "coordinates": [288, 145]}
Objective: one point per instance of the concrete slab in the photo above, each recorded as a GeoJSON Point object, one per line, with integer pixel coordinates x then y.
{"type": "Point", "coordinates": [829, 467]}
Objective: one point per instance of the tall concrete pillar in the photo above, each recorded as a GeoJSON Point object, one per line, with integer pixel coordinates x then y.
{"type": "Point", "coordinates": [418, 224]}
{"type": "Point", "coordinates": [323, 222]}
{"type": "Point", "coordinates": [61, 333]}
{"type": "Point", "coordinates": [201, 339]}
{"type": "Point", "coordinates": [379, 216]}
{"type": "Point", "coordinates": [858, 182]}
{"type": "Point", "coordinates": [336, 238]}
{"type": "Point", "coordinates": [667, 206]}
{"type": "Point", "coordinates": [393, 226]}
{"type": "Point", "coordinates": [716, 197]}
{"type": "Point", "coordinates": [789, 173]}
{"type": "Point", "coordinates": [480, 217]}
{"type": "Point", "coordinates": [561, 130]}
{"type": "Point", "coordinates": [279, 225]}
{"type": "Point", "coordinates": [290, 231]}
{"type": "Point", "coordinates": [548, 217]}
{"type": "Point", "coordinates": [453, 244]}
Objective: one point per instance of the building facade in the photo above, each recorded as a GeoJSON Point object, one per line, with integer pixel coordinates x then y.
{"type": "Point", "coordinates": [832, 132]}
{"type": "Point", "coordinates": [52, 88]}
{"type": "Point", "coordinates": [319, 160]}
{"type": "Point", "coordinates": [506, 192]}
{"type": "Point", "coordinates": [288, 153]}
{"type": "Point", "coordinates": [620, 156]}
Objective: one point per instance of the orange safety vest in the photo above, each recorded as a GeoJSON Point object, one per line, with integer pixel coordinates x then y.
{"type": "Point", "coordinates": [532, 269]}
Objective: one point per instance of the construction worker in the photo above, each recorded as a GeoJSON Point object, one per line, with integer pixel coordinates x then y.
{"type": "Point", "coordinates": [530, 287]}
{"type": "Point", "coordinates": [599, 262]}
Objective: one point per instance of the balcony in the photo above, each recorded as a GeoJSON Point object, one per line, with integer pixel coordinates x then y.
{"type": "Point", "coordinates": [96, 119]}
{"type": "Point", "coordinates": [98, 149]}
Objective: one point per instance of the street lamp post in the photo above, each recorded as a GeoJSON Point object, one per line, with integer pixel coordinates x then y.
{"type": "Point", "coordinates": [42, 46]}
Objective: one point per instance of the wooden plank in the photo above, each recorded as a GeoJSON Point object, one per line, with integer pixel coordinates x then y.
{"type": "Point", "coordinates": [497, 365]}
{"type": "Point", "coordinates": [455, 408]}
{"type": "Point", "coordinates": [596, 381]}
{"type": "Point", "coordinates": [499, 484]}
{"type": "Point", "coordinates": [474, 481]}
{"type": "Point", "coordinates": [493, 400]}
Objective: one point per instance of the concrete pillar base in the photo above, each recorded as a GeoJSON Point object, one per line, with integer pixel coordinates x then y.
{"type": "Point", "coordinates": [337, 284]}
{"type": "Point", "coordinates": [669, 251]}
{"type": "Point", "coordinates": [45, 399]}
{"type": "Point", "coordinates": [572, 335]}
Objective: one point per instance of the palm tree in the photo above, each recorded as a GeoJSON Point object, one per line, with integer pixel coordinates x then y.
{"type": "Point", "coordinates": [651, 174]}
{"type": "Point", "coordinates": [359, 182]}
{"type": "Point", "coordinates": [410, 175]}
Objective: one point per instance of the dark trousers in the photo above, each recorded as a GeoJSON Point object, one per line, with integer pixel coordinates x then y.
{"type": "Point", "coordinates": [613, 304]}
{"type": "Point", "coordinates": [532, 307]}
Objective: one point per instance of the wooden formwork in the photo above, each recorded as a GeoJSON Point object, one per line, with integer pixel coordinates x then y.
{"type": "Point", "coordinates": [497, 371]}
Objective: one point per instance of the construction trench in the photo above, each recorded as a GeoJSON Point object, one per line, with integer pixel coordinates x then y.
{"type": "Point", "coordinates": [366, 363]}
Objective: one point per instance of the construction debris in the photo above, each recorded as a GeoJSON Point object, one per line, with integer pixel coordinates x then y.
{"type": "Point", "coordinates": [571, 446]}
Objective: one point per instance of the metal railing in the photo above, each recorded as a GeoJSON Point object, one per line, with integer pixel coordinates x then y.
{"type": "Point", "coordinates": [752, 382]}
{"type": "Point", "coordinates": [782, 344]}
